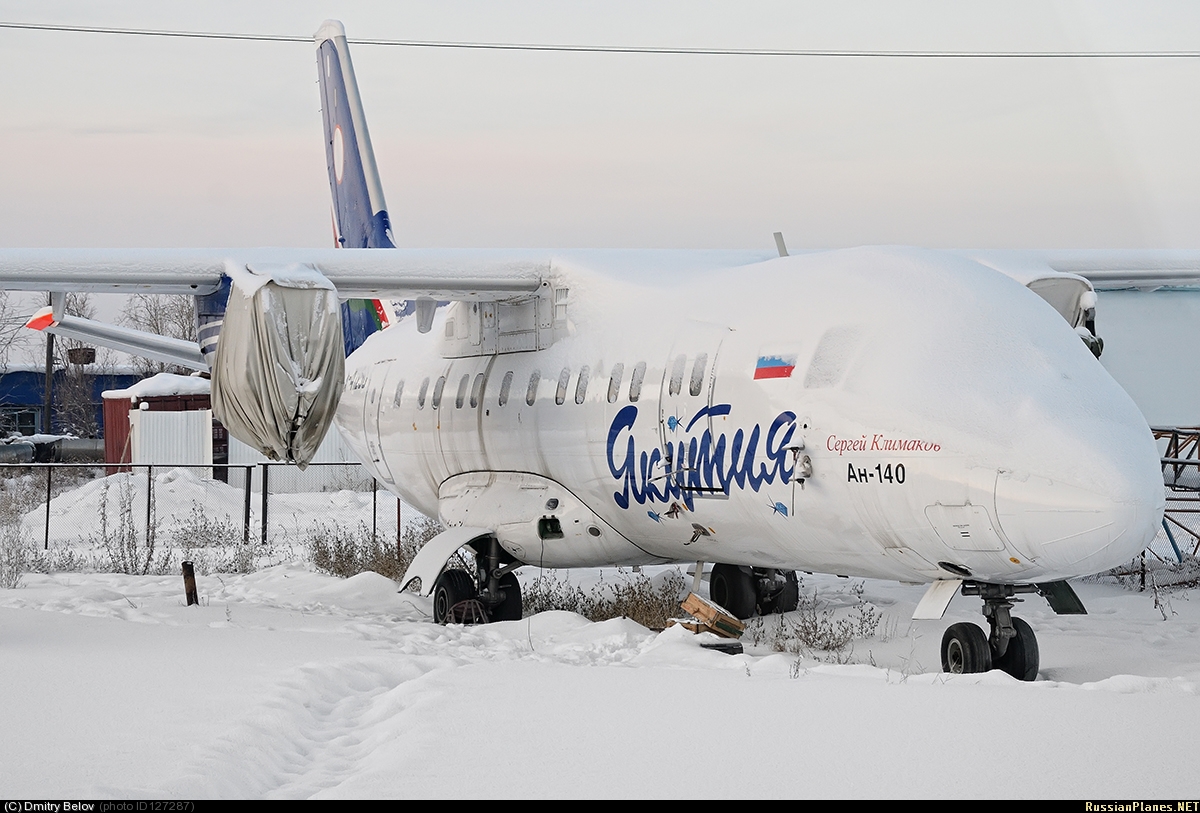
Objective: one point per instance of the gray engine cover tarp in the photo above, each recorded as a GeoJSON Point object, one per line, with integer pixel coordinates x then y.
{"type": "Point", "coordinates": [279, 367]}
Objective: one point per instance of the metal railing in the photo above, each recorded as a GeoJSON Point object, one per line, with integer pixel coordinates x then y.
{"type": "Point", "coordinates": [266, 501]}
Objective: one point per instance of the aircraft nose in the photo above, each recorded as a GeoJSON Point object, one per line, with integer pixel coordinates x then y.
{"type": "Point", "coordinates": [1069, 527]}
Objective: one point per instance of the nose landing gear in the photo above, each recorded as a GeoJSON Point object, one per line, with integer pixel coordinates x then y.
{"type": "Point", "coordinates": [1011, 647]}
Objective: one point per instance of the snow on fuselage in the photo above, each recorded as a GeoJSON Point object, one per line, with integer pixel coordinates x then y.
{"type": "Point", "coordinates": [949, 416]}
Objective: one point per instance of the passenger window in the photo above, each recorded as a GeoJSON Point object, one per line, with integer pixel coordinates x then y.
{"type": "Point", "coordinates": [560, 394]}
{"type": "Point", "coordinates": [421, 394]}
{"type": "Point", "coordinates": [462, 391]}
{"type": "Point", "coordinates": [635, 383]}
{"type": "Point", "coordinates": [476, 390]}
{"type": "Point", "coordinates": [581, 385]}
{"type": "Point", "coordinates": [399, 393]}
{"type": "Point", "coordinates": [614, 383]}
{"type": "Point", "coordinates": [677, 374]}
{"type": "Point", "coordinates": [505, 386]}
{"type": "Point", "coordinates": [437, 391]}
{"type": "Point", "coordinates": [697, 382]}
{"type": "Point", "coordinates": [534, 379]}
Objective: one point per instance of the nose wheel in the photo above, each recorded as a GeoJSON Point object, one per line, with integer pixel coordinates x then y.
{"type": "Point", "coordinates": [1011, 647]}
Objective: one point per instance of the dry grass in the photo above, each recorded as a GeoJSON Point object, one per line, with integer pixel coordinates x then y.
{"type": "Point", "coordinates": [634, 595]}
{"type": "Point", "coordinates": [346, 552]}
{"type": "Point", "coordinates": [816, 629]}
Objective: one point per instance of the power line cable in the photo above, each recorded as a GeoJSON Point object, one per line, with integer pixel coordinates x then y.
{"type": "Point", "coordinates": [844, 53]}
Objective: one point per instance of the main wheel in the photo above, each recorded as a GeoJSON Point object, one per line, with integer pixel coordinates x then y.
{"type": "Point", "coordinates": [965, 650]}
{"type": "Point", "coordinates": [786, 599]}
{"type": "Point", "coordinates": [450, 588]}
{"type": "Point", "coordinates": [1021, 658]}
{"type": "Point", "coordinates": [510, 608]}
{"type": "Point", "coordinates": [733, 588]}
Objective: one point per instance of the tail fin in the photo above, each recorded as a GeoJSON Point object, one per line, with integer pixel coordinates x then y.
{"type": "Point", "coordinates": [360, 218]}
{"type": "Point", "coordinates": [360, 214]}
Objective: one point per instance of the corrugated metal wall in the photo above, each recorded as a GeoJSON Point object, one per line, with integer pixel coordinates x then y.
{"type": "Point", "coordinates": [172, 438]}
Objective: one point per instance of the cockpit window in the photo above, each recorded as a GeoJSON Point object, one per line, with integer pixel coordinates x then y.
{"type": "Point", "coordinates": [1064, 295]}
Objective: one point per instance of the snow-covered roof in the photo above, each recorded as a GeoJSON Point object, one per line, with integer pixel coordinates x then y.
{"type": "Point", "coordinates": [162, 384]}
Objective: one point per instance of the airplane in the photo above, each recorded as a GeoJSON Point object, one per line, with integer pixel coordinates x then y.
{"type": "Point", "coordinates": [927, 416]}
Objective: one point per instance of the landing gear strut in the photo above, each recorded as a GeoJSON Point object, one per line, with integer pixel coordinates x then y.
{"type": "Point", "coordinates": [1011, 646]}
{"type": "Point", "coordinates": [494, 594]}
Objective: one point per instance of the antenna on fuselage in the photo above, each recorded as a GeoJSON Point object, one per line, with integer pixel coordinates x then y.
{"type": "Point", "coordinates": [779, 244]}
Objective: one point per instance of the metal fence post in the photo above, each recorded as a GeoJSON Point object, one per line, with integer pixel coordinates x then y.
{"type": "Point", "coordinates": [49, 469]}
{"type": "Point", "coordinates": [374, 511]}
{"type": "Point", "coordinates": [149, 500]}
{"type": "Point", "coordinates": [248, 472]}
{"type": "Point", "coordinates": [263, 512]}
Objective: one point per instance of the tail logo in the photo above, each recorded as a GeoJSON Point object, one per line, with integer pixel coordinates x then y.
{"type": "Point", "coordinates": [339, 154]}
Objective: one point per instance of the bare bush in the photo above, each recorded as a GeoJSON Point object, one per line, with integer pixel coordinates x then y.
{"type": "Point", "coordinates": [345, 552]}
{"type": "Point", "coordinates": [14, 558]}
{"type": "Point", "coordinates": [636, 596]}
{"type": "Point", "coordinates": [814, 627]}
{"type": "Point", "coordinates": [119, 536]}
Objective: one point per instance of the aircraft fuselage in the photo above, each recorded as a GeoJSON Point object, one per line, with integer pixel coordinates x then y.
{"type": "Point", "coordinates": [875, 412]}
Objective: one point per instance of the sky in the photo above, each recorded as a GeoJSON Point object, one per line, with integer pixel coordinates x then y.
{"type": "Point", "coordinates": [129, 141]}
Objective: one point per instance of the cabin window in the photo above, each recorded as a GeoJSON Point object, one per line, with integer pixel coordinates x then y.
{"type": "Point", "coordinates": [564, 378]}
{"type": "Point", "coordinates": [399, 393]}
{"type": "Point", "coordinates": [635, 383]}
{"type": "Point", "coordinates": [534, 379]}
{"type": "Point", "coordinates": [614, 382]}
{"type": "Point", "coordinates": [476, 390]}
{"type": "Point", "coordinates": [505, 386]}
{"type": "Point", "coordinates": [581, 384]}
{"type": "Point", "coordinates": [373, 393]}
{"type": "Point", "coordinates": [697, 382]}
{"type": "Point", "coordinates": [422, 393]}
{"type": "Point", "coordinates": [677, 374]}
{"type": "Point", "coordinates": [461, 397]}
{"type": "Point", "coordinates": [437, 391]}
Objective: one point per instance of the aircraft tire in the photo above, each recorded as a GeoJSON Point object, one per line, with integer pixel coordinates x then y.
{"type": "Point", "coordinates": [450, 588]}
{"type": "Point", "coordinates": [786, 600]}
{"type": "Point", "coordinates": [965, 650]}
{"type": "Point", "coordinates": [733, 588]}
{"type": "Point", "coordinates": [510, 609]}
{"type": "Point", "coordinates": [1021, 659]}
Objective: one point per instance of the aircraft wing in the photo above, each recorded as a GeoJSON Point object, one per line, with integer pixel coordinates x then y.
{"type": "Point", "coordinates": [470, 275]}
{"type": "Point", "coordinates": [1105, 269]}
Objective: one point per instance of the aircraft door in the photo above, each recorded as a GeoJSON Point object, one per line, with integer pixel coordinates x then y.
{"type": "Point", "coordinates": [459, 427]}
{"type": "Point", "coordinates": [385, 379]}
{"type": "Point", "coordinates": [685, 398]}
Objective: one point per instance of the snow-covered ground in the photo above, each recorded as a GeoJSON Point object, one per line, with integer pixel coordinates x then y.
{"type": "Point", "coordinates": [285, 683]}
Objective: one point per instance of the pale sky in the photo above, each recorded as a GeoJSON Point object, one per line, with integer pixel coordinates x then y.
{"type": "Point", "coordinates": [128, 141]}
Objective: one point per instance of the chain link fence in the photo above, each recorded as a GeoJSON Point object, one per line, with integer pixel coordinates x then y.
{"type": "Point", "coordinates": [148, 518]}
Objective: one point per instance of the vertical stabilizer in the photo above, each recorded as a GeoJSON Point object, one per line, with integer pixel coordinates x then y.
{"type": "Point", "coordinates": [360, 218]}
{"type": "Point", "coordinates": [360, 213]}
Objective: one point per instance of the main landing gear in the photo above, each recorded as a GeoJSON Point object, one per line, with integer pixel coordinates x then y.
{"type": "Point", "coordinates": [1011, 646]}
{"type": "Point", "coordinates": [742, 590]}
{"type": "Point", "coordinates": [492, 594]}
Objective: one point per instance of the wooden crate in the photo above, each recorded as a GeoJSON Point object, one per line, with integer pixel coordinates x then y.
{"type": "Point", "coordinates": [710, 618]}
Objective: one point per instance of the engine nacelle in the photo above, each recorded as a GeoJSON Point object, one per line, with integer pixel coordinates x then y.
{"type": "Point", "coordinates": [279, 367]}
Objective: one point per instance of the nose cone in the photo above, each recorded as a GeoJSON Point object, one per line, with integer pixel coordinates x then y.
{"type": "Point", "coordinates": [1087, 526]}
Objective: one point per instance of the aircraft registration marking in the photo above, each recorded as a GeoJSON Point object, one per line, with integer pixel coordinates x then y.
{"type": "Point", "coordinates": [880, 474]}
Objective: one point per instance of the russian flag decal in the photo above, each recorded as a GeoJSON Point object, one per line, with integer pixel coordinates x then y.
{"type": "Point", "coordinates": [774, 367]}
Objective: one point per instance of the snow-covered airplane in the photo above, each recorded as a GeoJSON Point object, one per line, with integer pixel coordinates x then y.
{"type": "Point", "coordinates": [895, 413]}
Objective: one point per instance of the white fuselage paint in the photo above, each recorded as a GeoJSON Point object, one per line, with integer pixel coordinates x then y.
{"type": "Point", "coordinates": [948, 413]}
